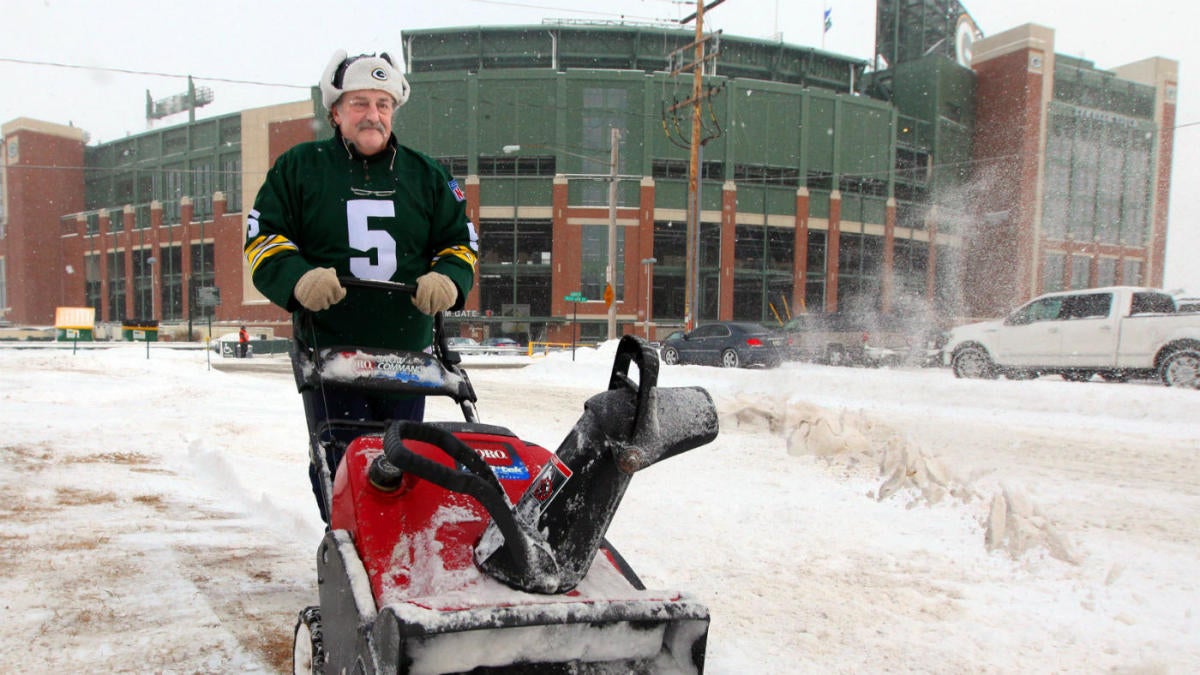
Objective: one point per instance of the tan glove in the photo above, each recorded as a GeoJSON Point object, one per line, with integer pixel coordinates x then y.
{"type": "Point", "coordinates": [318, 289]}
{"type": "Point", "coordinates": [435, 293]}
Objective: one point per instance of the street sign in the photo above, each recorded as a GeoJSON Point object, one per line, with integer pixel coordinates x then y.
{"type": "Point", "coordinates": [208, 296]}
{"type": "Point", "coordinates": [608, 295]}
{"type": "Point", "coordinates": [575, 297]}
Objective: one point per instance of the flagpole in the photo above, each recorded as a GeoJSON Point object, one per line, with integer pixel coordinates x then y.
{"type": "Point", "coordinates": [826, 22]}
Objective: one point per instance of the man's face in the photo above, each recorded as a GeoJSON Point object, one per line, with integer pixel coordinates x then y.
{"type": "Point", "coordinates": [365, 119]}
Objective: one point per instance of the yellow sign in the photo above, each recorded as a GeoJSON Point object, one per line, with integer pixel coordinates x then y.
{"type": "Point", "coordinates": [75, 317]}
{"type": "Point", "coordinates": [608, 295]}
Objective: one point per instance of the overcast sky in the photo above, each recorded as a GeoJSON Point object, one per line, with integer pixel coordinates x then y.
{"type": "Point", "coordinates": [119, 49]}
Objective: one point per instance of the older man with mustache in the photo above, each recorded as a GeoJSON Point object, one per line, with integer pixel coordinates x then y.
{"type": "Point", "coordinates": [361, 205]}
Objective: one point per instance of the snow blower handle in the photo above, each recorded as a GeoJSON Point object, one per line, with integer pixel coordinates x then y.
{"type": "Point", "coordinates": [633, 349]}
{"type": "Point", "coordinates": [439, 319]}
{"type": "Point", "coordinates": [379, 285]}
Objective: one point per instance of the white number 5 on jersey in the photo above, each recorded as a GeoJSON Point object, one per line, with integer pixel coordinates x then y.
{"type": "Point", "coordinates": [364, 238]}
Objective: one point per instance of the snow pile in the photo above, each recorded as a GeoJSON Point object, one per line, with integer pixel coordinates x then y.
{"type": "Point", "coordinates": [1016, 525]}
{"type": "Point", "coordinates": [905, 467]}
{"type": "Point", "coordinates": [807, 428]}
{"type": "Point", "coordinates": [850, 440]}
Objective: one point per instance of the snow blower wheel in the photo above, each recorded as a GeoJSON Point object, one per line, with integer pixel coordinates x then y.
{"type": "Point", "coordinates": [308, 652]}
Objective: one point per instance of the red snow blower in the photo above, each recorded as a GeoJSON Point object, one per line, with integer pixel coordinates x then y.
{"type": "Point", "coordinates": [456, 547]}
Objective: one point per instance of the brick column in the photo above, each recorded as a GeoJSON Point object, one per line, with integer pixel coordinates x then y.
{"type": "Point", "coordinates": [831, 251]}
{"type": "Point", "coordinates": [800, 256]}
{"type": "Point", "coordinates": [218, 211]}
{"type": "Point", "coordinates": [889, 256]}
{"type": "Point", "coordinates": [728, 235]}
{"type": "Point", "coordinates": [156, 284]}
{"type": "Point", "coordinates": [471, 187]}
{"type": "Point", "coordinates": [76, 281]}
{"type": "Point", "coordinates": [564, 266]}
{"type": "Point", "coordinates": [127, 216]}
{"type": "Point", "coordinates": [645, 249]}
{"type": "Point", "coordinates": [103, 229]}
{"type": "Point", "coordinates": [185, 252]}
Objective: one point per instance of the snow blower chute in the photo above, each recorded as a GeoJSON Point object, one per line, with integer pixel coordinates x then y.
{"type": "Point", "coordinates": [457, 547]}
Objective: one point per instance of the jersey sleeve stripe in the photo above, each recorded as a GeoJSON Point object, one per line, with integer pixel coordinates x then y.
{"type": "Point", "coordinates": [463, 253]}
{"type": "Point", "coordinates": [264, 247]}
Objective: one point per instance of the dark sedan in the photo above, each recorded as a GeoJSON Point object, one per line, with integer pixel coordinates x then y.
{"type": "Point", "coordinates": [730, 344]}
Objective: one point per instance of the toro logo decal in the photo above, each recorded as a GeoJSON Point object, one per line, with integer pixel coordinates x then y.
{"type": "Point", "coordinates": [505, 463]}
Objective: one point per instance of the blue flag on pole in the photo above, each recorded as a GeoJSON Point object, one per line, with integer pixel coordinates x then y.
{"type": "Point", "coordinates": [828, 21]}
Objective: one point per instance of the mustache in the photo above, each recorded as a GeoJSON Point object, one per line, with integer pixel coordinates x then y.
{"type": "Point", "coordinates": [367, 124]}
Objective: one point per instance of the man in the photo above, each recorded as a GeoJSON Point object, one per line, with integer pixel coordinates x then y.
{"type": "Point", "coordinates": [243, 343]}
{"type": "Point", "coordinates": [361, 205]}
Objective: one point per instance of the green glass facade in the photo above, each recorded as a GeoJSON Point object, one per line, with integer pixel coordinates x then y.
{"type": "Point", "coordinates": [1099, 152]}
{"type": "Point", "coordinates": [785, 118]}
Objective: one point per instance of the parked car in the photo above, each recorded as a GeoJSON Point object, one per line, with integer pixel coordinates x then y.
{"type": "Point", "coordinates": [862, 339]}
{"type": "Point", "coordinates": [464, 345]}
{"type": "Point", "coordinates": [658, 344]}
{"type": "Point", "coordinates": [1116, 332]}
{"type": "Point", "coordinates": [730, 344]}
{"type": "Point", "coordinates": [1186, 304]}
{"type": "Point", "coordinates": [501, 344]}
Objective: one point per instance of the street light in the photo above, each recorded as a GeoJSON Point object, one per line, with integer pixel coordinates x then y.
{"type": "Point", "coordinates": [610, 275]}
{"type": "Point", "coordinates": [648, 263]}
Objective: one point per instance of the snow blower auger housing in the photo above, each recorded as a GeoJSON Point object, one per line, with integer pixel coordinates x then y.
{"type": "Point", "coordinates": [457, 547]}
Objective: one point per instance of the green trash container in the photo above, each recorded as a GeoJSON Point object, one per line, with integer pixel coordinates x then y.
{"type": "Point", "coordinates": [74, 335]}
{"type": "Point", "coordinates": [139, 330]}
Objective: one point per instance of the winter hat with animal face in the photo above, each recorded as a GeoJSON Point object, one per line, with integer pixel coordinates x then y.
{"type": "Point", "coordinates": [365, 71]}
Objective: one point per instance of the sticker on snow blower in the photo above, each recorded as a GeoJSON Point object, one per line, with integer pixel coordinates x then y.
{"type": "Point", "coordinates": [414, 368]}
{"type": "Point", "coordinates": [550, 481]}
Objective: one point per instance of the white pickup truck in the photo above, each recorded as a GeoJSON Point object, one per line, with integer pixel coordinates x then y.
{"type": "Point", "coordinates": [1116, 332]}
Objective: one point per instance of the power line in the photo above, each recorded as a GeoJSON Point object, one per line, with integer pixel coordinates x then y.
{"type": "Point", "coordinates": [151, 73]}
{"type": "Point", "coordinates": [128, 71]}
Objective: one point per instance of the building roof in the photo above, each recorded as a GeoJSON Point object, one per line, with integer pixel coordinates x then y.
{"type": "Point", "coordinates": [562, 46]}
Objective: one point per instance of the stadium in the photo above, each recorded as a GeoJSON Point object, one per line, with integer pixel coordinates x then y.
{"type": "Point", "coordinates": [953, 175]}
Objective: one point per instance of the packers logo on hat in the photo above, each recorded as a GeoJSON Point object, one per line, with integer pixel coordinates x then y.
{"type": "Point", "coordinates": [365, 71]}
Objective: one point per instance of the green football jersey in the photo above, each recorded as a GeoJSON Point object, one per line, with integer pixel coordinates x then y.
{"type": "Point", "coordinates": [393, 216]}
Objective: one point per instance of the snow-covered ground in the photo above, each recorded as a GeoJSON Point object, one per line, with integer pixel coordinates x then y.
{"type": "Point", "coordinates": [157, 515]}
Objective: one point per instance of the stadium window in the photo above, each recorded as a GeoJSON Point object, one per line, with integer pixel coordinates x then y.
{"type": "Point", "coordinates": [525, 165]}
{"type": "Point", "coordinates": [766, 175]}
{"type": "Point", "coordinates": [819, 180]}
{"type": "Point", "coordinates": [678, 169]}
{"type": "Point", "coordinates": [456, 165]}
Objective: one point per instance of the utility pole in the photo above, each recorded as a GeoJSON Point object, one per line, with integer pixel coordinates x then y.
{"type": "Point", "coordinates": [696, 139]}
{"type": "Point", "coordinates": [692, 294]}
{"type": "Point", "coordinates": [611, 277]}
{"type": "Point", "coordinates": [610, 270]}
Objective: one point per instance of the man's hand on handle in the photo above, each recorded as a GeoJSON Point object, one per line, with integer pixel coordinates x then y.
{"type": "Point", "coordinates": [435, 293]}
{"type": "Point", "coordinates": [318, 289]}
